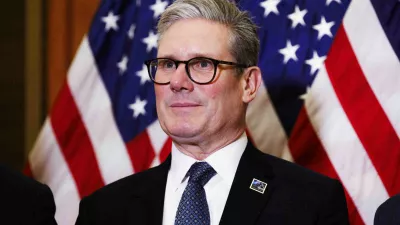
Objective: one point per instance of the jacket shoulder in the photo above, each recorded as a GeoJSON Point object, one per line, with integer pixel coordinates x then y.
{"type": "Point", "coordinates": [321, 197]}
{"type": "Point", "coordinates": [125, 188]}
{"type": "Point", "coordinates": [113, 202]}
{"type": "Point", "coordinates": [296, 174]}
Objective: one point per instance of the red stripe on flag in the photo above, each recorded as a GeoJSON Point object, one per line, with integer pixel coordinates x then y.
{"type": "Point", "coordinates": [364, 111]}
{"type": "Point", "coordinates": [75, 144]}
{"type": "Point", "coordinates": [307, 150]}
{"type": "Point", "coordinates": [166, 150]}
{"type": "Point", "coordinates": [141, 152]}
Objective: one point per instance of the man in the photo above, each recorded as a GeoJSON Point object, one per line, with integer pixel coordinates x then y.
{"type": "Point", "coordinates": [205, 76]}
{"type": "Point", "coordinates": [389, 212]}
{"type": "Point", "coordinates": [24, 201]}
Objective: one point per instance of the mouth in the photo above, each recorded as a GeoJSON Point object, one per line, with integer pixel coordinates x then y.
{"type": "Point", "coordinates": [184, 105]}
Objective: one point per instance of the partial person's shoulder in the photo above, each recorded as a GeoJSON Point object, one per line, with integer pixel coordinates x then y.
{"type": "Point", "coordinates": [19, 183]}
{"type": "Point", "coordinates": [24, 200]}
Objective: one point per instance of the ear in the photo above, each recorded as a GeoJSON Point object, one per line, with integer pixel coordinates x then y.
{"type": "Point", "coordinates": [251, 81]}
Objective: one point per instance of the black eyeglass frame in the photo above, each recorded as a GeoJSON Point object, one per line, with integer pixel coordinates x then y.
{"type": "Point", "coordinates": [186, 62]}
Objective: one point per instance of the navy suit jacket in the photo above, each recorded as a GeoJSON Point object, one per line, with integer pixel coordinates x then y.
{"type": "Point", "coordinates": [24, 201]}
{"type": "Point", "coordinates": [389, 212]}
{"type": "Point", "coordinates": [294, 196]}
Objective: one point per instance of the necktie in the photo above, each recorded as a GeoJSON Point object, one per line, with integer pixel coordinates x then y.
{"type": "Point", "coordinates": [193, 207]}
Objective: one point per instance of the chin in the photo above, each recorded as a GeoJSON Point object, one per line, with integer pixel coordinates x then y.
{"type": "Point", "coordinates": [182, 132]}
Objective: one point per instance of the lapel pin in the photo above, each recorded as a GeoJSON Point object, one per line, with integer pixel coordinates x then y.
{"type": "Point", "coordinates": [258, 185]}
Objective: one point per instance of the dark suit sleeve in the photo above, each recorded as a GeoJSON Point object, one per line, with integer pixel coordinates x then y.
{"type": "Point", "coordinates": [334, 208]}
{"type": "Point", "coordinates": [44, 207]}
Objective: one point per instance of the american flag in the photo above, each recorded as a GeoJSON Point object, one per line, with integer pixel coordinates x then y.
{"type": "Point", "coordinates": [330, 99]}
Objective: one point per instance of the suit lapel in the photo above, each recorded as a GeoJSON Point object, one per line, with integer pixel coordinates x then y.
{"type": "Point", "coordinates": [244, 205]}
{"type": "Point", "coordinates": [147, 205]}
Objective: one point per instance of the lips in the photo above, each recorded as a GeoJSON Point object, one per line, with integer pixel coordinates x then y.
{"type": "Point", "coordinates": [184, 104]}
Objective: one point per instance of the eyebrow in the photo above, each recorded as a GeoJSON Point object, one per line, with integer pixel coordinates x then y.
{"type": "Point", "coordinates": [170, 56]}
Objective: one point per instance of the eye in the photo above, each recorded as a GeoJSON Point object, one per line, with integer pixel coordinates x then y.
{"type": "Point", "coordinates": [166, 64]}
{"type": "Point", "coordinates": [169, 64]}
{"type": "Point", "coordinates": [202, 64]}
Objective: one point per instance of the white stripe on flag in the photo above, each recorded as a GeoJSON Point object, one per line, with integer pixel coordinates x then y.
{"type": "Point", "coordinates": [344, 149]}
{"type": "Point", "coordinates": [94, 105]}
{"type": "Point", "coordinates": [49, 166]}
{"type": "Point", "coordinates": [265, 127]}
{"type": "Point", "coordinates": [377, 59]}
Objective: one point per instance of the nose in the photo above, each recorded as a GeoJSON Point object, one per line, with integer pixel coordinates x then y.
{"type": "Point", "coordinates": [180, 80]}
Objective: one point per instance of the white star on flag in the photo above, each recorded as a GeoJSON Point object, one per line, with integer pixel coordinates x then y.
{"type": "Point", "coordinates": [143, 74]}
{"type": "Point", "coordinates": [297, 17]}
{"type": "Point", "coordinates": [316, 62]}
{"type": "Point", "coordinates": [324, 28]}
{"type": "Point", "coordinates": [328, 2]}
{"type": "Point", "coordinates": [138, 107]}
{"type": "Point", "coordinates": [123, 65]}
{"type": "Point", "coordinates": [289, 52]}
{"type": "Point", "coordinates": [306, 95]}
{"type": "Point", "coordinates": [151, 41]}
{"type": "Point", "coordinates": [270, 6]}
{"type": "Point", "coordinates": [131, 32]}
{"type": "Point", "coordinates": [158, 8]}
{"type": "Point", "coordinates": [111, 21]}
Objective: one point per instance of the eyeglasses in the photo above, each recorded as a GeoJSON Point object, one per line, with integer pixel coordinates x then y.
{"type": "Point", "coordinates": [200, 70]}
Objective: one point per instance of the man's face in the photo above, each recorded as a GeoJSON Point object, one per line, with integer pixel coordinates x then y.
{"type": "Point", "coordinates": [192, 113]}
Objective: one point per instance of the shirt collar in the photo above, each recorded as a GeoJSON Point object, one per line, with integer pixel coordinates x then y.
{"type": "Point", "coordinates": [224, 161]}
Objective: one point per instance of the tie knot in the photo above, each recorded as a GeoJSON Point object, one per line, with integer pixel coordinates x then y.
{"type": "Point", "coordinates": [201, 172]}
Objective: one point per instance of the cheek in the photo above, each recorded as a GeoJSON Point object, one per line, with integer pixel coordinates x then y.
{"type": "Point", "coordinates": [217, 96]}
{"type": "Point", "coordinates": [213, 94]}
{"type": "Point", "coordinates": [228, 90]}
{"type": "Point", "coordinates": [161, 94]}
{"type": "Point", "coordinates": [158, 90]}
{"type": "Point", "coordinates": [214, 91]}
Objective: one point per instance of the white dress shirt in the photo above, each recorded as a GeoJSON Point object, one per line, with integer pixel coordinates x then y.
{"type": "Point", "coordinates": [224, 161]}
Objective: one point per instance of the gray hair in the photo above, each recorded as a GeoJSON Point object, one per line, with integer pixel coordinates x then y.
{"type": "Point", "coordinates": [243, 41]}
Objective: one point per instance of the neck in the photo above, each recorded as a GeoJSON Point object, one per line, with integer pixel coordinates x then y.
{"type": "Point", "coordinates": [201, 151]}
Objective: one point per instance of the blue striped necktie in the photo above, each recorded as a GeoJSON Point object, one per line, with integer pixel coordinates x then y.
{"type": "Point", "coordinates": [193, 207]}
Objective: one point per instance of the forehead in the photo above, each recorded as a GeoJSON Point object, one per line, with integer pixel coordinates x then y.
{"type": "Point", "coordinates": [195, 37]}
